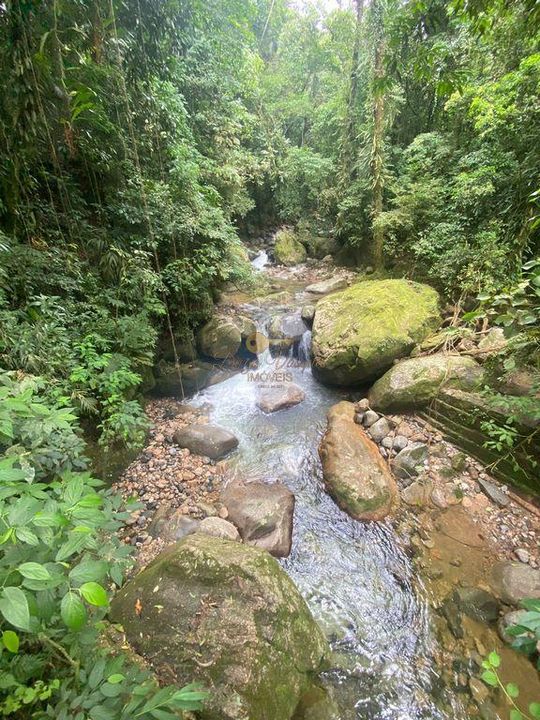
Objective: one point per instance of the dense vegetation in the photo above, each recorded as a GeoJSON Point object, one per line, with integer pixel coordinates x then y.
{"type": "Point", "coordinates": [139, 142]}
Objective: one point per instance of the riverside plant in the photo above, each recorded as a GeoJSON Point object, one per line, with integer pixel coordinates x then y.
{"type": "Point", "coordinates": [60, 560]}
{"type": "Point", "coordinates": [527, 640]}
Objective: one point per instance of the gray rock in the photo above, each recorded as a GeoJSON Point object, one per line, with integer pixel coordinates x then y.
{"type": "Point", "coordinates": [477, 604]}
{"type": "Point", "coordinates": [407, 461]}
{"type": "Point", "coordinates": [228, 616]}
{"type": "Point", "coordinates": [284, 331]}
{"type": "Point", "coordinates": [327, 286]}
{"type": "Point", "coordinates": [362, 405]}
{"type": "Point", "coordinates": [210, 440]}
{"type": "Point", "coordinates": [400, 443]}
{"type": "Point", "coordinates": [379, 429]}
{"type": "Point", "coordinates": [494, 493]}
{"type": "Point", "coordinates": [359, 418]}
{"type": "Point", "coordinates": [416, 494]}
{"type": "Point", "coordinates": [217, 527]}
{"type": "Point", "coordinates": [308, 313]}
{"type": "Point", "coordinates": [278, 398]}
{"type": "Point", "coordinates": [523, 555]}
{"type": "Point", "coordinates": [370, 418]}
{"type": "Point", "coordinates": [386, 442]}
{"type": "Point", "coordinates": [509, 619]}
{"type": "Point", "coordinates": [171, 525]}
{"type": "Point", "coordinates": [513, 582]}
{"type": "Point", "coordinates": [263, 515]}
{"type": "Point", "coordinates": [438, 498]}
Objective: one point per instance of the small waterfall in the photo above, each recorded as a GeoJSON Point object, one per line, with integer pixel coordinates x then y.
{"type": "Point", "coordinates": [304, 347]}
{"type": "Point", "coordinates": [260, 261]}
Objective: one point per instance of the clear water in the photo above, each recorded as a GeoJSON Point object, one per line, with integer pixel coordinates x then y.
{"type": "Point", "coordinates": [356, 578]}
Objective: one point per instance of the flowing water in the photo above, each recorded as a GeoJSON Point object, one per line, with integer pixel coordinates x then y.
{"type": "Point", "coordinates": [356, 577]}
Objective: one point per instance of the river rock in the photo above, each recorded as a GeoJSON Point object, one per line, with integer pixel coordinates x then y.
{"type": "Point", "coordinates": [493, 342]}
{"type": "Point", "coordinates": [226, 615]}
{"type": "Point", "coordinates": [327, 286]}
{"type": "Point", "coordinates": [514, 581]}
{"type": "Point", "coordinates": [405, 464]}
{"type": "Point", "coordinates": [417, 494]}
{"type": "Point", "coordinates": [220, 528]}
{"type": "Point", "coordinates": [413, 383]}
{"type": "Point", "coordinates": [508, 620]}
{"type": "Point", "coordinates": [278, 398]}
{"type": "Point", "coordinates": [171, 525]}
{"type": "Point", "coordinates": [494, 493]}
{"type": "Point", "coordinates": [210, 440]}
{"type": "Point", "coordinates": [358, 333]}
{"type": "Point", "coordinates": [220, 338]}
{"type": "Point", "coordinates": [380, 429]}
{"type": "Point", "coordinates": [400, 443]}
{"type": "Point", "coordinates": [284, 331]}
{"type": "Point", "coordinates": [308, 313]}
{"type": "Point", "coordinates": [370, 418]}
{"type": "Point", "coordinates": [288, 250]}
{"type": "Point", "coordinates": [477, 604]}
{"type": "Point", "coordinates": [354, 473]}
{"type": "Point", "coordinates": [263, 514]}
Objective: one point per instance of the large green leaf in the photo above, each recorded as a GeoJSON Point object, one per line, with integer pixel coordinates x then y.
{"type": "Point", "coordinates": [14, 608]}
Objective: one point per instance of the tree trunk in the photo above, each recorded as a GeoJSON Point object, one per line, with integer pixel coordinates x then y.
{"type": "Point", "coordinates": [377, 154]}
{"type": "Point", "coordinates": [348, 151]}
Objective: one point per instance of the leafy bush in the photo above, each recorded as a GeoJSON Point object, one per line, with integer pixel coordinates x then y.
{"type": "Point", "coordinates": [60, 559]}
{"type": "Point", "coordinates": [510, 691]}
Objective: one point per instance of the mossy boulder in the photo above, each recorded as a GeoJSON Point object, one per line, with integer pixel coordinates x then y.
{"type": "Point", "coordinates": [225, 614]}
{"type": "Point", "coordinates": [220, 338]}
{"type": "Point", "coordinates": [412, 383]}
{"type": "Point", "coordinates": [354, 472]}
{"type": "Point", "coordinates": [358, 333]}
{"type": "Point", "coordinates": [288, 250]}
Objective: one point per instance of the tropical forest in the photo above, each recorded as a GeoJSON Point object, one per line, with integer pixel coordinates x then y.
{"type": "Point", "coordinates": [270, 359]}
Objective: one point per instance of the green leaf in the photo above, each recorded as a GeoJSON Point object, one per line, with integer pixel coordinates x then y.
{"type": "Point", "coordinates": [534, 709]}
{"type": "Point", "coordinates": [116, 678]}
{"type": "Point", "coordinates": [515, 715]}
{"type": "Point", "coordinates": [73, 545]}
{"type": "Point", "coordinates": [14, 607]}
{"type": "Point", "coordinates": [26, 536]}
{"type": "Point", "coordinates": [532, 604]}
{"type": "Point", "coordinates": [34, 571]}
{"type": "Point", "coordinates": [72, 611]}
{"type": "Point", "coordinates": [94, 594]}
{"type": "Point", "coordinates": [11, 641]}
{"type": "Point", "coordinates": [489, 677]}
{"type": "Point", "coordinates": [494, 659]}
{"type": "Point", "coordinates": [512, 689]}
{"type": "Point", "coordinates": [100, 712]}
{"type": "Point", "coordinates": [88, 570]}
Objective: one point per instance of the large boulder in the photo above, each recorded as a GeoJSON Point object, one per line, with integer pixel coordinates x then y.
{"type": "Point", "coordinates": [513, 582]}
{"type": "Point", "coordinates": [285, 331]}
{"type": "Point", "coordinates": [288, 250]}
{"type": "Point", "coordinates": [263, 514]}
{"type": "Point", "coordinates": [220, 338]}
{"type": "Point", "coordinates": [187, 378]}
{"type": "Point", "coordinates": [412, 383]}
{"type": "Point", "coordinates": [272, 399]}
{"type": "Point", "coordinates": [210, 440]}
{"type": "Point", "coordinates": [327, 286]}
{"type": "Point", "coordinates": [227, 615]}
{"type": "Point", "coordinates": [354, 472]}
{"type": "Point", "coordinates": [358, 333]}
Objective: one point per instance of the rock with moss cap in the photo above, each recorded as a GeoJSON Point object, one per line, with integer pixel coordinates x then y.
{"type": "Point", "coordinates": [358, 333]}
{"type": "Point", "coordinates": [227, 615]}
{"type": "Point", "coordinates": [412, 383]}
{"type": "Point", "coordinates": [288, 250]}
{"type": "Point", "coordinates": [354, 472]}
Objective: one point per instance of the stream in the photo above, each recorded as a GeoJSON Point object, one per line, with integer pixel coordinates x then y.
{"type": "Point", "coordinates": [356, 577]}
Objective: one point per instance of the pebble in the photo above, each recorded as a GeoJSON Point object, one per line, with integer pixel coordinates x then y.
{"type": "Point", "coordinates": [522, 555]}
{"type": "Point", "coordinates": [370, 418]}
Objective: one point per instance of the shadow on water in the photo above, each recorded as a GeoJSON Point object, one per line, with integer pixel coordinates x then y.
{"type": "Point", "coordinates": [356, 577]}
